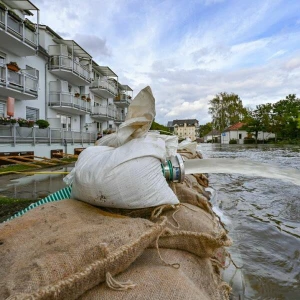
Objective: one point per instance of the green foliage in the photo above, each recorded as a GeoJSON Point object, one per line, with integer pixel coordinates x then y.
{"type": "Point", "coordinates": [249, 140]}
{"type": "Point", "coordinates": [233, 141]}
{"type": "Point", "coordinates": [159, 127]}
{"type": "Point", "coordinates": [42, 123]}
{"type": "Point", "coordinates": [226, 109]}
{"type": "Point", "coordinates": [205, 129]}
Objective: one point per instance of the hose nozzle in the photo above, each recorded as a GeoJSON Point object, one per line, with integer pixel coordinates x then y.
{"type": "Point", "coordinates": [173, 168]}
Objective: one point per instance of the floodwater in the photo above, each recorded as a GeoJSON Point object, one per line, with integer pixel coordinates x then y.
{"type": "Point", "coordinates": [263, 218]}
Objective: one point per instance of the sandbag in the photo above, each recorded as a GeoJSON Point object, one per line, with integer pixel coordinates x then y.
{"type": "Point", "coordinates": [61, 249]}
{"type": "Point", "coordinates": [194, 280]}
{"type": "Point", "coordinates": [129, 176]}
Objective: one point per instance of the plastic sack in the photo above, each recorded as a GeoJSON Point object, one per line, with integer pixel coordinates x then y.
{"type": "Point", "coordinates": [129, 176]}
{"type": "Point", "coordinates": [140, 115]}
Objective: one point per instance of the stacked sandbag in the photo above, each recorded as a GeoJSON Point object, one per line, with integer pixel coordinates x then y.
{"type": "Point", "coordinates": [194, 280]}
{"type": "Point", "coordinates": [62, 249]}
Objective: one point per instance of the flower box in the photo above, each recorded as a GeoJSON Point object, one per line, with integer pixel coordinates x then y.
{"type": "Point", "coordinates": [13, 66]}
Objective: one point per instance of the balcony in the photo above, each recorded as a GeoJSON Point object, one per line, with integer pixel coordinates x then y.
{"type": "Point", "coordinates": [103, 88]}
{"type": "Point", "coordinates": [22, 85]}
{"type": "Point", "coordinates": [122, 100]}
{"type": "Point", "coordinates": [67, 103]}
{"type": "Point", "coordinates": [104, 113]}
{"type": "Point", "coordinates": [120, 118]}
{"type": "Point", "coordinates": [15, 36]}
{"type": "Point", "coordinates": [68, 69]}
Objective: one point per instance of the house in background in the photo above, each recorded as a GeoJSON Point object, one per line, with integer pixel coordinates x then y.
{"type": "Point", "coordinates": [236, 132]}
{"type": "Point", "coordinates": [185, 128]}
{"type": "Point", "coordinates": [213, 136]}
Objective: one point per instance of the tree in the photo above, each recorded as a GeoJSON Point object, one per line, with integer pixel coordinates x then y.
{"type": "Point", "coordinates": [226, 109]}
{"type": "Point", "coordinates": [205, 129]}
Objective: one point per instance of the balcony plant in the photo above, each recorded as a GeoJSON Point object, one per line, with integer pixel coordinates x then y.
{"type": "Point", "coordinates": [76, 95]}
{"type": "Point", "coordinates": [13, 66]}
{"type": "Point", "coordinates": [3, 6]}
{"type": "Point", "coordinates": [88, 99]}
{"type": "Point", "coordinates": [25, 123]}
{"type": "Point", "coordinates": [42, 123]}
{"type": "Point", "coordinates": [14, 15]}
{"type": "Point", "coordinates": [83, 97]}
{"type": "Point", "coordinates": [29, 25]}
{"type": "Point", "coordinates": [7, 120]}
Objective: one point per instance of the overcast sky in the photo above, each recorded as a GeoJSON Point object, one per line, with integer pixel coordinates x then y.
{"type": "Point", "coordinates": [188, 50]}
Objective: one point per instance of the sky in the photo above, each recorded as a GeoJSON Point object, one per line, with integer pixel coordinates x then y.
{"type": "Point", "coordinates": [188, 51]}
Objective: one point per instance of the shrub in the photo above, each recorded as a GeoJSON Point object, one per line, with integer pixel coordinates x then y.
{"type": "Point", "coordinates": [248, 140]}
{"type": "Point", "coordinates": [233, 141]}
{"type": "Point", "coordinates": [42, 123]}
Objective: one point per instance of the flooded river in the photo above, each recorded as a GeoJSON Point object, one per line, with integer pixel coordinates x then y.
{"type": "Point", "coordinates": [263, 217]}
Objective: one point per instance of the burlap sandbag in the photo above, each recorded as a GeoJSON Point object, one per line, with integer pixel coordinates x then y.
{"type": "Point", "coordinates": [194, 280]}
{"type": "Point", "coordinates": [192, 229]}
{"type": "Point", "coordinates": [62, 249]}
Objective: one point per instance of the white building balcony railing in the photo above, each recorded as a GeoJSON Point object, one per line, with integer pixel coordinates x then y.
{"type": "Point", "coordinates": [67, 102]}
{"type": "Point", "coordinates": [22, 85]}
{"type": "Point", "coordinates": [120, 118]}
{"type": "Point", "coordinates": [103, 88]}
{"type": "Point", "coordinates": [107, 112]}
{"type": "Point", "coordinates": [70, 70]}
{"type": "Point", "coordinates": [122, 100]}
{"type": "Point", "coordinates": [13, 31]}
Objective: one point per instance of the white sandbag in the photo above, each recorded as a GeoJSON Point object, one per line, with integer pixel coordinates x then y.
{"type": "Point", "coordinates": [140, 115]}
{"type": "Point", "coordinates": [170, 140]}
{"type": "Point", "coordinates": [129, 176]}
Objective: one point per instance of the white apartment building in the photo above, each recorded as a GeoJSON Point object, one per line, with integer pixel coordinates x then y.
{"type": "Point", "coordinates": [55, 80]}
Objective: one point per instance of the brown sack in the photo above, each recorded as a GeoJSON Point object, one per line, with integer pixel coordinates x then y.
{"type": "Point", "coordinates": [194, 280]}
{"type": "Point", "coordinates": [62, 249]}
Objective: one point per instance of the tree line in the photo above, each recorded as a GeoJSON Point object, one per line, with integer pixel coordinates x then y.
{"type": "Point", "coordinates": [281, 118]}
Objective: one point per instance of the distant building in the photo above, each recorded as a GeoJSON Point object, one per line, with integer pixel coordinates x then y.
{"type": "Point", "coordinates": [235, 132]}
{"type": "Point", "coordinates": [213, 136]}
{"type": "Point", "coordinates": [185, 128]}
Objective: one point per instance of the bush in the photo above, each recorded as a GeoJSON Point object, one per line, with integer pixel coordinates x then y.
{"type": "Point", "coordinates": [248, 140]}
{"type": "Point", "coordinates": [42, 123]}
{"type": "Point", "coordinates": [233, 141]}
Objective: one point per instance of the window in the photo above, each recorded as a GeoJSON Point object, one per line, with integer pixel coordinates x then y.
{"type": "Point", "coordinates": [2, 59]}
{"type": "Point", "coordinates": [32, 113]}
{"type": "Point", "coordinates": [240, 136]}
{"type": "Point", "coordinates": [2, 109]}
{"type": "Point", "coordinates": [65, 121]}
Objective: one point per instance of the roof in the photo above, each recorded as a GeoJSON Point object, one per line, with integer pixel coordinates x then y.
{"type": "Point", "coordinates": [20, 4]}
{"type": "Point", "coordinates": [213, 132]}
{"type": "Point", "coordinates": [78, 50]}
{"type": "Point", "coordinates": [126, 87]}
{"type": "Point", "coordinates": [187, 121]}
{"type": "Point", "coordinates": [236, 126]}
{"type": "Point", "coordinates": [106, 71]}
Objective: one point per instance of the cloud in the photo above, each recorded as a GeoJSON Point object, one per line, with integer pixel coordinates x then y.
{"type": "Point", "coordinates": [96, 46]}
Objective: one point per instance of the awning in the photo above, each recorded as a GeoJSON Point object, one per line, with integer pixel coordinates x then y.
{"type": "Point", "coordinates": [20, 4]}
{"type": "Point", "coordinates": [106, 71]}
{"type": "Point", "coordinates": [126, 87]}
{"type": "Point", "coordinates": [73, 45]}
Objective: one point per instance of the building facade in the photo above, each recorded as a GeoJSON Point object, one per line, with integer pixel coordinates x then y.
{"type": "Point", "coordinates": [43, 76]}
{"type": "Point", "coordinates": [185, 128]}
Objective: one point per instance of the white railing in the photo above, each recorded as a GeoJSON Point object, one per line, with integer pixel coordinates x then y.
{"type": "Point", "coordinates": [107, 111]}
{"type": "Point", "coordinates": [13, 134]}
{"type": "Point", "coordinates": [17, 28]}
{"type": "Point", "coordinates": [67, 99]}
{"type": "Point", "coordinates": [25, 80]}
{"type": "Point", "coordinates": [66, 63]}
{"type": "Point", "coordinates": [104, 84]}
{"type": "Point", "coordinates": [120, 117]}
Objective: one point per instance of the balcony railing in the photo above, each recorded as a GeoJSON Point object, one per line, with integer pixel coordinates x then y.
{"type": "Point", "coordinates": [122, 100]}
{"type": "Point", "coordinates": [62, 62]}
{"type": "Point", "coordinates": [24, 81]}
{"type": "Point", "coordinates": [21, 135]}
{"type": "Point", "coordinates": [104, 84]}
{"type": "Point", "coordinates": [120, 118]}
{"type": "Point", "coordinates": [106, 111]}
{"type": "Point", "coordinates": [17, 28]}
{"type": "Point", "coordinates": [63, 99]}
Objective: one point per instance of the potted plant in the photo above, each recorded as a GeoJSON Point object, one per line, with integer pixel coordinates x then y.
{"type": "Point", "coordinates": [76, 95]}
{"type": "Point", "coordinates": [29, 25]}
{"type": "Point", "coordinates": [83, 97]}
{"type": "Point", "coordinates": [14, 15]}
{"type": "Point", "coordinates": [25, 123]}
{"type": "Point", "coordinates": [13, 66]}
{"type": "Point", "coordinates": [42, 123]}
{"type": "Point", "coordinates": [88, 99]}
